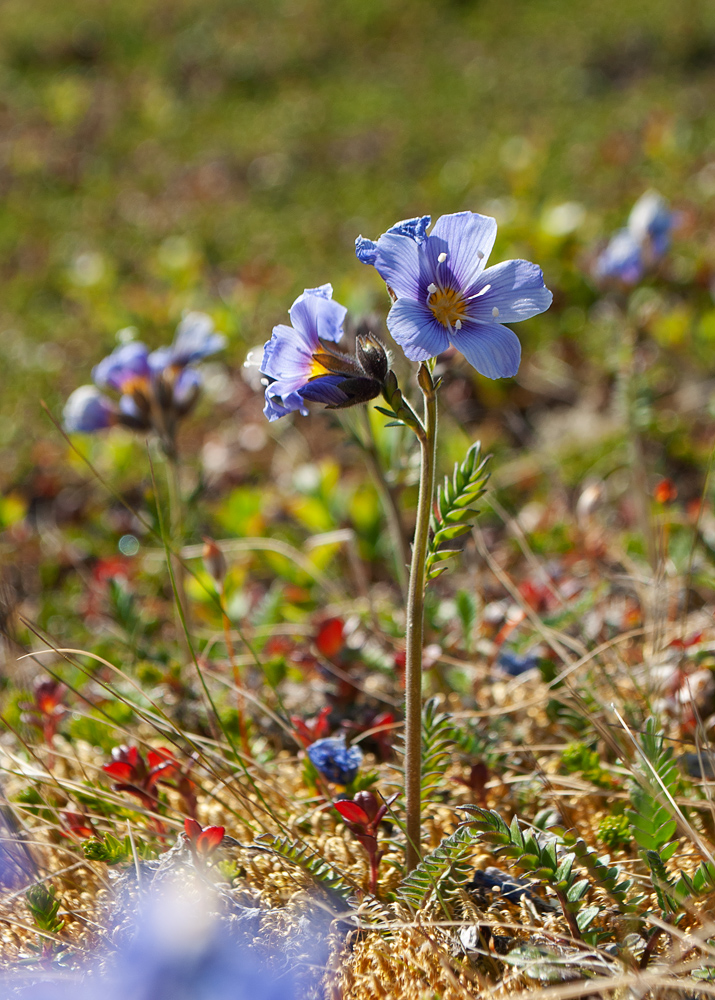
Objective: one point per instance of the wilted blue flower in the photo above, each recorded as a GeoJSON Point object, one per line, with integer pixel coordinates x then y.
{"type": "Point", "coordinates": [444, 295]}
{"type": "Point", "coordinates": [289, 356]}
{"type": "Point", "coordinates": [645, 239]}
{"type": "Point", "coordinates": [155, 389]}
{"type": "Point", "coordinates": [335, 761]}
{"type": "Point", "coordinates": [416, 229]}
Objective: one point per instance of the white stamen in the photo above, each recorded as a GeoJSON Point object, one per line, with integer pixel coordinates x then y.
{"type": "Point", "coordinates": [442, 257]}
{"type": "Point", "coordinates": [480, 254]}
{"type": "Point", "coordinates": [457, 324]}
{"type": "Point", "coordinates": [495, 312]}
{"type": "Point", "coordinates": [432, 288]}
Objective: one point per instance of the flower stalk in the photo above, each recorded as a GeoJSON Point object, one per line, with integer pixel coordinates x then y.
{"type": "Point", "coordinates": [415, 621]}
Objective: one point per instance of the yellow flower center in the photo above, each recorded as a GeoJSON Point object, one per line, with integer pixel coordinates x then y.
{"type": "Point", "coordinates": [447, 306]}
{"type": "Point", "coordinates": [317, 369]}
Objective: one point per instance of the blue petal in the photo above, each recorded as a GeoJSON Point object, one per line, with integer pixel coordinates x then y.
{"type": "Point", "coordinates": [160, 359]}
{"type": "Point", "coordinates": [415, 329]}
{"type": "Point", "coordinates": [280, 402]}
{"type": "Point", "coordinates": [515, 288]}
{"type": "Point", "coordinates": [87, 410]}
{"type": "Point", "coordinates": [288, 355]}
{"type": "Point", "coordinates": [325, 389]}
{"type": "Point", "coordinates": [124, 364]}
{"type": "Point", "coordinates": [398, 264]}
{"type": "Point", "coordinates": [314, 315]}
{"type": "Point", "coordinates": [492, 349]}
{"type": "Point", "coordinates": [195, 339]}
{"type": "Point", "coordinates": [622, 259]}
{"type": "Point", "coordinates": [416, 229]}
{"type": "Point", "coordinates": [651, 221]}
{"type": "Point", "coordinates": [470, 238]}
{"type": "Point", "coordinates": [365, 250]}
{"type": "Point", "coordinates": [186, 385]}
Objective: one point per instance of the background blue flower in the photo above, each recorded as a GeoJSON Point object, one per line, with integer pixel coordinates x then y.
{"type": "Point", "coordinates": [335, 761]}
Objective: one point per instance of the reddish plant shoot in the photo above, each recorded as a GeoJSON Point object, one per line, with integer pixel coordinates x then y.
{"type": "Point", "coordinates": [362, 816]}
{"type": "Point", "coordinates": [310, 730]}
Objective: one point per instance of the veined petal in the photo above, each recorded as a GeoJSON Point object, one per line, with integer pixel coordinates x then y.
{"type": "Point", "coordinates": [470, 238]}
{"type": "Point", "coordinates": [287, 355]}
{"type": "Point", "coordinates": [282, 400]}
{"type": "Point", "coordinates": [494, 350]}
{"type": "Point", "coordinates": [514, 288]}
{"type": "Point", "coordinates": [87, 410]}
{"type": "Point", "coordinates": [195, 339]}
{"type": "Point", "coordinates": [125, 364]}
{"type": "Point", "coordinates": [415, 329]}
{"type": "Point", "coordinates": [325, 389]}
{"type": "Point", "coordinates": [397, 262]}
{"type": "Point", "coordinates": [315, 315]}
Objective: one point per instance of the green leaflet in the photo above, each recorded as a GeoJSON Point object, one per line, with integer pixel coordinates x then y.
{"type": "Point", "coordinates": [454, 515]}
{"type": "Point", "coordinates": [444, 870]}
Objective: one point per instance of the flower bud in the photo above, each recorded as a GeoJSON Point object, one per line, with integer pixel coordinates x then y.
{"type": "Point", "coordinates": [372, 356]}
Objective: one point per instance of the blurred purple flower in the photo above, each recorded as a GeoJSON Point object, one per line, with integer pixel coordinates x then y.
{"type": "Point", "coordinates": [155, 389]}
{"type": "Point", "coordinates": [288, 357]}
{"type": "Point", "coordinates": [335, 761]}
{"type": "Point", "coordinates": [640, 245]}
{"type": "Point", "coordinates": [443, 294]}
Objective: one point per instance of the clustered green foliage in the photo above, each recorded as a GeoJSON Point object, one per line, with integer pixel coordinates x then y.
{"type": "Point", "coordinates": [582, 759]}
{"type": "Point", "coordinates": [454, 514]}
{"type": "Point", "coordinates": [656, 783]}
{"type": "Point", "coordinates": [443, 871]}
{"type": "Point", "coordinates": [112, 851]}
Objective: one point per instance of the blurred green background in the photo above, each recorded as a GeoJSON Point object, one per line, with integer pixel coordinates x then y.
{"type": "Point", "coordinates": [222, 154]}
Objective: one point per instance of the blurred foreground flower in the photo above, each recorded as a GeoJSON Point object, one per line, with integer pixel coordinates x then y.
{"type": "Point", "coordinates": [639, 246]}
{"type": "Point", "coordinates": [155, 389]}
{"type": "Point", "coordinates": [443, 294]}
{"type": "Point", "coordinates": [335, 761]}
{"type": "Point", "coordinates": [299, 363]}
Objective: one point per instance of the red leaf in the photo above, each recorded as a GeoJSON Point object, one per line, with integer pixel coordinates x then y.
{"type": "Point", "coordinates": [192, 828]}
{"type": "Point", "coordinates": [119, 769]}
{"type": "Point", "coordinates": [209, 839]}
{"type": "Point", "coordinates": [351, 812]}
{"type": "Point", "coordinates": [329, 639]}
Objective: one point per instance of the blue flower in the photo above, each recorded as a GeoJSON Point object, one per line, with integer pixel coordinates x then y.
{"type": "Point", "coordinates": [645, 239]}
{"type": "Point", "coordinates": [621, 260]}
{"type": "Point", "coordinates": [650, 223]}
{"type": "Point", "coordinates": [288, 357]}
{"type": "Point", "coordinates": [444, 295]}
{"type": "Point", "coordinates": [155, 389]}
{"type": "Point", "coordinates": [335, 761]}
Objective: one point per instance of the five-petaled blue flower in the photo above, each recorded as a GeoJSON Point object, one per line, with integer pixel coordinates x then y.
{"type": "Point", "coordinates": [288, 357]}
{"type": "Point", "coordinates": [443, 294]}
{"type": "Point", "coordinates": [335, 761]}
{"type": "Point", "coordinates": [155, 388]}
{"type": "Point", "coordinates": [640, 244]}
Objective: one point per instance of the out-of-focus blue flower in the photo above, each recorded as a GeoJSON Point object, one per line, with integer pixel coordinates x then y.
{"type": "Point", "coordinates": [155, 389]}
{"type": "Point", "coordinates": [514, 664]}
{"type": "Point", "coordinates": [621, 260]}
{"type": "Point", "coordinates": [288, 357]}
{"type": "Point", "coordinates": [335, 761]}
{"type": "Point", "coordinates": [651, 222]}
{"type": "Point", "coordinates": [444, 295]}
{"type": "Point", "coordinates": [646, 238]}
{"type": "Point", "coordinates": [416, 229]}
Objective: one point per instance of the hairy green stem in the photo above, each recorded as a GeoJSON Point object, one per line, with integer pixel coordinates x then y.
{"type": "Point", "coordinates": [415, 623]}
